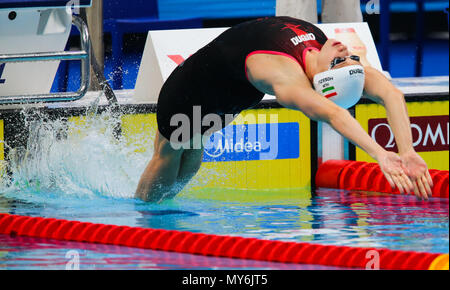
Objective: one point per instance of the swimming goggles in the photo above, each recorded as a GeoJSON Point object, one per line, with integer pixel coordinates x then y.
{"type": "Point", "coordinates": [339, 60]}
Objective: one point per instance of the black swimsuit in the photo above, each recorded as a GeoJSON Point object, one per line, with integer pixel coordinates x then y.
{"type": "Point", "coordinates": [214, 78]}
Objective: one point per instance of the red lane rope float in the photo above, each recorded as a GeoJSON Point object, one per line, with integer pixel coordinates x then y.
{"type": "Point", "coordinates": [213, 245]}
{"type": "Point", "coordinates": [357, 175]}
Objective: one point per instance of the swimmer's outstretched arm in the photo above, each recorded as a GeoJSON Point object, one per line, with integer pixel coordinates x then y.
{"type": "Point", "coordinates": [318, 108]}
{"type": "Point", "coordinates": [381, 90]}
{"type": "Point", "coordinates": [283, 77]}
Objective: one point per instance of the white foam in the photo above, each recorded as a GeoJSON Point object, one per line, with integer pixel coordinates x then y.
{"type": "Point", "coordinates": [78, 159]}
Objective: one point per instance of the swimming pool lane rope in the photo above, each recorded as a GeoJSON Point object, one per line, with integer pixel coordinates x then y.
{"type": "Point", "coordinates": [218, 246]}
{"type": "Point", "coordinates": [356, 175]}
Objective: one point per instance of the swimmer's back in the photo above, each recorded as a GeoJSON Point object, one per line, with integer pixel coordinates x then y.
{"type": "Point", "coordinates": [215, 76]}
{"type": "Point", "coordinates": [285, 35]}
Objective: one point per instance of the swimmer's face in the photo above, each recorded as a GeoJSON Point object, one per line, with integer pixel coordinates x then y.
{"type": "Point", "coordinates": [330, 50]}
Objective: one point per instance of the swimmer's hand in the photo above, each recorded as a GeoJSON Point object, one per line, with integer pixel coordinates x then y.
{"type": "Point", "coordinates": [417, 171]}
{"type": "Point", "coordinates": [392, 167]}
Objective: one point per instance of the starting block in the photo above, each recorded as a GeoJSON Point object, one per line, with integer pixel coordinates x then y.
{"type": "Point", "coordinates": [33, 38]}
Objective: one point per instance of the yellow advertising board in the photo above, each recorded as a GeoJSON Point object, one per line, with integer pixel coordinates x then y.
{"type": "Point", "coordinates": [279, 158]}
{"type": "Point", "coordinates": [429, 126]}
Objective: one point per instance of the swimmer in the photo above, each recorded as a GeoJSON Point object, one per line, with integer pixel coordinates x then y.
{"type": "Point", "coordinates": [294, 61]}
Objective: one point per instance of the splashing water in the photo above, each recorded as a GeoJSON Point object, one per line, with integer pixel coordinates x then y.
{"type": "Point", "coordinates": [77, 157]}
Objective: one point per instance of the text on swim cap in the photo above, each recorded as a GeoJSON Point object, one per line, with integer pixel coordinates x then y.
{"type": "Point", "coordinates": [356, 71]}
{"type": "Point", "coordinates": [301, 38]}
{"type": "Point", "coordinates": [327, 79]}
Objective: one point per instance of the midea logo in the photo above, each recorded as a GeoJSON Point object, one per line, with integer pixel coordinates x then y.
{"type": "Point", "coordinates": [222, 145]}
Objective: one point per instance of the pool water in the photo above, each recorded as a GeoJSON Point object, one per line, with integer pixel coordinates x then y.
{"type": "Point", "coordinates": [24, 253]}
{"type": "Point", "coordinates": [327, 217]}
{"type": "Point", "coordinates": [91, 177]}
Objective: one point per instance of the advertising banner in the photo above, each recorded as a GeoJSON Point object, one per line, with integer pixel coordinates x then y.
{"type": "Point", "coordinates": [429, 128]}
{"type": "Point", "coordinates": [254, 142]}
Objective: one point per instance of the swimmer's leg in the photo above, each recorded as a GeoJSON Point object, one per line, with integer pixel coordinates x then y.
{"type": "Point", "coordinates": [161, 173]}
{"type": "Point", "coordinates": [191, 160]}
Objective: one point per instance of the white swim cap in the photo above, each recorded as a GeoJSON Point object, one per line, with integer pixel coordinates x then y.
{"type": "Point", "coordinates": [344, 86]}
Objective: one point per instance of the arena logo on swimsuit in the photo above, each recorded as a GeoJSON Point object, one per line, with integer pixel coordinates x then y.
{"type": "Point", "coordinates": [254, 142]}
{"type": "Point", "coordinates": [302, 38]}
